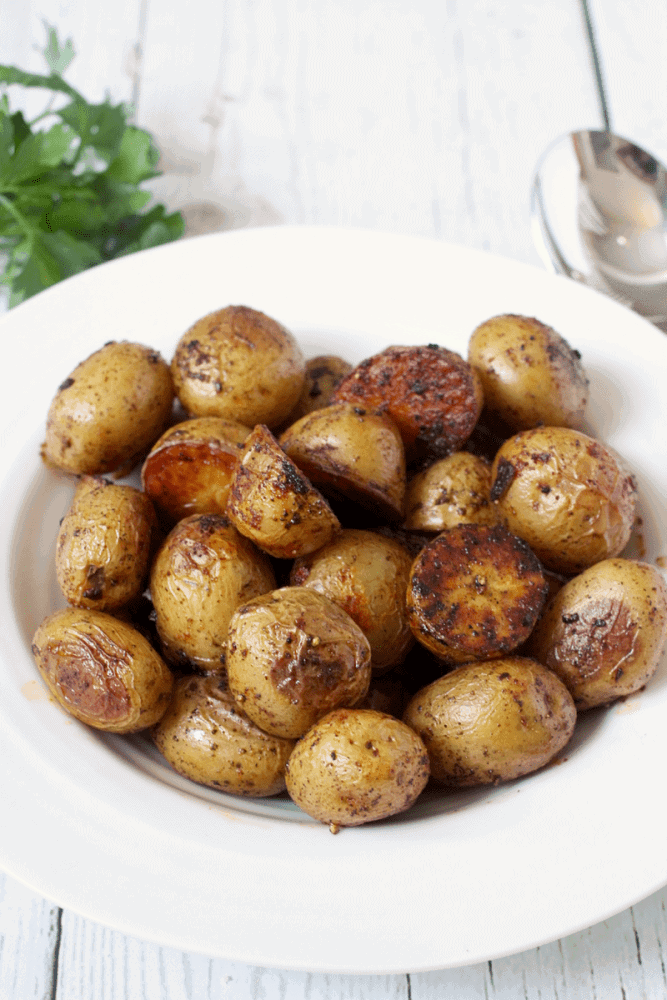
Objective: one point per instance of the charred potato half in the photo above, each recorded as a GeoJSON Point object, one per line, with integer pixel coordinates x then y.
{"type": "Point", "coordinates": [207, 738]}
{"type": "Point", "coordinates": [604, 631]}
{"type": "Point", "coordinates": [566, 494]}
{"type": "Point", "coordinates": [529, 373]}
{"type": "Point", "coordinates": [475, 593]}
{"type": "Point", "coordinates": [189, 469]}
{"type": "Point", "coordinates": [294, 655]}
{"type": "Point", "coordinates": [366, 575]}
{"type": "Point", "coordinates": [356, 766]}
{"type": "Point", "coordinates": [110, 410]}
{"type": "Point", "coordinates": [101, 670]}
{"type": "Point", "coordinates": [489, 722]}
{"type": "Point", "coordinates": [104, 545]}
{"type": "Point", "coordinates": [202, 572]}
{"type": "Point", "coordinates": [238, 364]}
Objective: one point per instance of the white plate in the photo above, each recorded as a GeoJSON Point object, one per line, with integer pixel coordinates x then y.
{"type": "Point", "coordinates": [102, 827]}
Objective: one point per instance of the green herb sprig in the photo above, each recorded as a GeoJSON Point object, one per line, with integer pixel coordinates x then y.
{"type": "Point", "coordinates": [70, 179]}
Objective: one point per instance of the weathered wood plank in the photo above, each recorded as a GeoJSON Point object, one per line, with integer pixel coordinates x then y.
{"type": "Point", "coordinates": [29, 938]}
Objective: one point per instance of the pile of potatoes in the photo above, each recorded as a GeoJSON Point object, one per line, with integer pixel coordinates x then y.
{"type": "Point", "coordinates": [343, 581]}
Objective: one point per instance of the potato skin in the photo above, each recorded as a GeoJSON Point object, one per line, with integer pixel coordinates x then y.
{"type": "Point", "coordinates": [356, 766]}
{"type": "Point", "coordinates": [529, 373]}
{"type": "Point", "coordinates": [366, 575]}
{"type": "Point", "coordinates": [349, 452]}
{"type": "Point", "coordinates": [475, 593]}
{"type": "Point", "coordinates": [101, 670]}
{"type": "Point", "coordinates": [189, 468]}
{"type": "Point", "coordinates": [203, 571]}
{"type": "Point", "coordinates": [566, 494]}
{"type": "Point", "coordinates": [293, 655]}
{"type": "Point", "coordinates": [104, 545]}
{"type": "Point", "coordinates": [604, 631]}
{"type": "Point", "coordinates": [110, 410]}
{"type": "Point", "coordinates": [488, 722]}
{"type": "Point", "coordinates": [433, 395]}
{"type": "Point", "coordinates": [207, 738]}
{"type": "Point", "coordinates": [239, 364]}
{"type": "Point", "coordinates": [453, 490]}
{"type": "Point", "coordinates": [324, 373]}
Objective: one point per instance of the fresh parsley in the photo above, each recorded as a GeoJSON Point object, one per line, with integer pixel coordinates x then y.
{"type": "Point", "coordinates": [70, 194]}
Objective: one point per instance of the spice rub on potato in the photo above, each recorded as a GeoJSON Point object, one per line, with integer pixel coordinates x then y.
{"type": "Point", "coordinates": [530, 375]}
{"type": "Point", "coordinates": [452, 490]}
{"type": "Point", "coordinates": [189, 468]}
{"type": "Point", "coordinates": [356, 766]}
{"type": "Point", "coordinates": [104, 545]}
{"type": "Point", "coordinates": [350, 453]}
{"type": "Point", "coordinates": [293, 655]}
{"type": "Point", "coordinates": [203, 571]}
{"type": "Point", "coordinates": [604, 631]}
{"type": "Point", "coordinates": [239, 364]}
{"type": "Point", "coordinates": [101, 670]}
{"type": "Point", "coordinates": [475, 593]}
{"type": "Point", "coordinates": [484, 723]}
{"type": "Point", "coordinates": [207, 738]}
{"type": "Point", "coordinates": [324, 373]}
{"type": "Point", "coordinates": [433, 395]}
{"type": "Point", "coordinates": [273, 504]}
{"type": "Point", "coordinates": [566, 494]}
{"type": "Point", "coordinates": [367, 575]}
{"type": "Point", "coordinates": [109, 411]}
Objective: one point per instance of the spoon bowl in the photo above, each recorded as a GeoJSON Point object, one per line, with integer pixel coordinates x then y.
{"type": "Point", "coordinates": [599, 216]}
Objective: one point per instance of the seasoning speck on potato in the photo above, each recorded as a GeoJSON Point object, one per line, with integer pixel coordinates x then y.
{"type": "Point", "coordinates": [101, 670]}
{"type": "Point", "coordinates": [293, 655]}
{"type": "Point", "coordinates": [357, 766]}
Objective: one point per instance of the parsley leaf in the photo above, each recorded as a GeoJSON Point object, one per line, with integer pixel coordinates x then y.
{"type": "Point", "coordinates": [70, 194]}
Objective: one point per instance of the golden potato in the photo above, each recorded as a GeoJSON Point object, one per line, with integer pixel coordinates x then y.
{"type": "Point", "coordinates": [604, 631]}
{"type": "Point", "coordinates": [104, 545]}
{"type": "Point", "coordinates": [475, 593]}
{"type": "Point", "coordinates": [239, 364]}
{"type": "Point", "coordinates": [110, 410]}
{"type": "Point", "coordinates": [366, 575]}
{"type": "Point", "coordinates": [203, 571]}
{"type": "Point", "coordinates": [566, 494]}
{"type": "Point", "coordinates": [483, 723]}
{"type": "Point", "coordinates": [101, 670]}
{"type": "Point", "coordinates": [294, 655]}
{"type": "Point", "coordinates": [530, 375]}
{"type": "Point", "coordinates": [323, 374]}
{"type": "Point", "coordinates": [188, 470]}
{"type": "Point", "coordinates": [352, 453]}
{"type": "Point", "coordinates": [433, 395]}
{"type": "Point", "coordinates": [356, 766]}
{"type": "Point", "coordinates": [453, 490]}
{"type": "Point", "coordinates": [271, 503]}
{"type": "Point", "coordinates": [206, 737]}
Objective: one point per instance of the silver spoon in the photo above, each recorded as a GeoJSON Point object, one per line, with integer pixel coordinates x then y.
{"type": "Point", "coordinates": [599, 215]}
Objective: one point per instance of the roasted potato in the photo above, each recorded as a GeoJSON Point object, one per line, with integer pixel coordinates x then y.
{"type": "Point", "coordinates": [323, 374]}
{"type": "Point", "coordinates": [109, 411]}
{"type": "Point", "coordinates": [104, 545]}
{"type": "Point", "coordinates": [202, 572]}
{"type": "Point", "coordinates": [433, 395]}
{"type": "Point", "coordinates": [475, 593]}
{"type": "Point", "coordinates": [566, 494]}
{"type": "Point", "coordinates": [349, 452]}
{"type": "Point", "coordinates": [293, 655]}
{"type": "Point", "coordinates": [604, 631]}
{"type": "Point", "coordinates": [189, 469]}
{"type": "Point", "coordinates": [489, 722]}
{"type": "Point", "coordinates": [273, 504]}
{"type": "Point", "coordinates": [238, 364]}
{"type": "Point", "coordinates": [366, 575]}
{"type": "Point", "coordinates": [101, 670]}
{"type": "Point", "coordinates": [206, 737]}
{"type": "Point", "coordinates": [530, 375]}
{"type": "Point", "coordinates": [356, 766]}
{"type": "Point", "coordinates": [452, 490]}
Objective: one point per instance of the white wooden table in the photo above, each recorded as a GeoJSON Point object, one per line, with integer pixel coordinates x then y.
{"type": "Point", "coordinates": [415, 116]}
